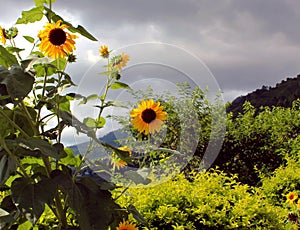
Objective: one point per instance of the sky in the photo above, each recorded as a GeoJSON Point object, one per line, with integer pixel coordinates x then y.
{"type": "Point", "coordinates": [243, 44]}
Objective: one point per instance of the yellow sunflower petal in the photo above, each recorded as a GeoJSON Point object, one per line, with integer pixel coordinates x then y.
{"type": "Point", "coordinates": [148, 117]}
{"type": "Point", "coordinates": [55, 42]}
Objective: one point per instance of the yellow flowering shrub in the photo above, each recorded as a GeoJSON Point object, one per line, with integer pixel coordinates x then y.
{"type": "Point", "coordinates": [212, 200]}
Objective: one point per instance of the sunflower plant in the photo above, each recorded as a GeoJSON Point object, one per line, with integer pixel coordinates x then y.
{"type": "Point", "coordinates": [43, 184]}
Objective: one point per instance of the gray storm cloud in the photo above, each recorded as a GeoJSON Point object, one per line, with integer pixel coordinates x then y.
{"type": "Point", "coordinates": [246, 44]}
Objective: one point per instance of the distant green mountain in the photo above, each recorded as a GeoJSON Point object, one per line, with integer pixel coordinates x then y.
{"type": "Point", "coordinates": [108, 138]}
{"type": "Point", "coordinates": [283, 94]}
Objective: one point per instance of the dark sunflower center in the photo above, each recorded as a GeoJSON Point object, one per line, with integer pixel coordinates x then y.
{"type": "Point", "coordinates": [148, 115]}
{"type": "Point", "coordinates": [57, 37]}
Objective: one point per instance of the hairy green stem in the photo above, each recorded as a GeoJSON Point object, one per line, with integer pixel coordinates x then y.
{"type": "Point", "coordinates": [29, 118]}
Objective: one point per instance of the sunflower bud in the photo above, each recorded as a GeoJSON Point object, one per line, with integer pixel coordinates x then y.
{"type": "Point", "coordinates": [11, 33]}
{"type": "Point", "coordinates": [71, 58]}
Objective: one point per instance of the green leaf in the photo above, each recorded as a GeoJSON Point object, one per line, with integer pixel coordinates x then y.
{"type": "Point", "coordinates": [28, 38]}
{"type": "Point", "coordinates": [37, 144]}
{"type": "Point", "coordinates": [12, 49]}
{"type": "Point", "coordinates": [32, 15]}
{"type": "Point", "coordinates": [25, 198]}
{"type": "Point", "coordinates": [62, 63]}
{"type": "Point", "coordinates": [6, 58]}
{"type": "Point", "coordinates": [18, 83]}
{"type": "Point", "coordinates": [79, 29]}
{"type": "Point", "coordinates": [41, 2]}
{"type": "Point", "coordinates": [99, 209]}
{"type": "Point", "coordinates": [71, 120]}
{"type": "Point", "coordinates": [89, 98]}
{"type": "Point", "coordinates": [64, 103]}
{"type": "Point", "coordinates": [71, 159]}
{"type": "Point", "coordinates": [7, 167]}
{"type": "Point", "coordinates": [90, 122]}
{"type": "Point", "coordinates": [119, 85]}
{"type": "Point", "coordinates": [100, 122]}
{"type": "Point", "coordinates": [25, 226]}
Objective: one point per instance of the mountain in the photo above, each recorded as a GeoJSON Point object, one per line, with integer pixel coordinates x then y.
{"type": "Point", "coordinates": [108, 138]}
{"type": "Point", "coordinates": [283, 94]}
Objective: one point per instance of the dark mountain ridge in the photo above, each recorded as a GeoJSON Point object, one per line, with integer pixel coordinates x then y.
{"type": "Point", "coordinates": [283, 94]}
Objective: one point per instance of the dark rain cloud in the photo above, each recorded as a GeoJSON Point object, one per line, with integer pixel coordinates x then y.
{"type": "Point", "coordinates": [246, 44]}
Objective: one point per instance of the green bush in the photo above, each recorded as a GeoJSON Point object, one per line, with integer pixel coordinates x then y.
{"type": "Point", "coordinates": [253, 139]}
{"type": "Point", "coordinates": [286, 178]}
{"type": "Point", "coordinates": [212, 200]}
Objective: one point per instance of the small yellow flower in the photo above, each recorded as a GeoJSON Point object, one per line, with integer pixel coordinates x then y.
{"type": "Point", "coordinates": [55, 41]}
{"type": "Point", "coordinates": [2, 36]}
{"type": "Point", "coordinates": [125, 225]}
{"type": "Point", "coordinates": [291, 197]}
{"type": "Point", "coordinates": [148, 117]}
{"type": "Point", "coordinates": [119, 163]}
{"type": "Point", "coordinates": [104, 51]}
{"type": "Point", "coordinates": [298, 204]}
{"type": "Point", "coordinates": [122, 62]}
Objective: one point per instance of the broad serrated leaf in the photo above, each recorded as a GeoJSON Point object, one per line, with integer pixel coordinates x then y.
{"type": "Point", "coordinates": [99, 209]}
{"type": "Point", "coordinates": [32, 15]}
{"type": "Point", "coordinates": [6, 58]}
{"type": "Point", "coordinates": [25, 198]}
{"type": "Point", "coordinates": [37, 144]}
{"type": "Point", "coordinates": [18, 83]}
{"type": "Point", "coordinates": [119, 85]}
{"type": "Point", "coordinates": [29, 39]}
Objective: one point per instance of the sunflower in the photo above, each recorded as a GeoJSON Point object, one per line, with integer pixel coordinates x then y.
{"type": "Point", "coordinates": [125, 225]}
{"type": "Point", "coordinates": [104, 51]}
{"type": "Point", "coordinates": [2, 36]}
{"type": "Point", "coordinates": [148, 117]}
{"type": "Point", "coordinates": [119, 163]}
{"type": "Point", "coordinates": [121, 61]}
{"type": "Point", "coordinates": [55, 42]}
{"type": "Point", "coordinates": [291, 197]}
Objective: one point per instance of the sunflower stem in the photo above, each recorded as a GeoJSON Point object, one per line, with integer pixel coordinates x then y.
{"type": "Point", "coordinates": [42, 96]}
{"type": "Point", "coordinates": [50, 12]}
{"type": "Point", "coordinates": [29, 118]}
{"type": "Point", "coordinates": [58, 117]}
{"type": "Point", "coordinates": [92, 140]}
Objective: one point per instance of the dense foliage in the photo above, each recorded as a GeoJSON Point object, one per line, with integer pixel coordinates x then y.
{"type": "Point", "coordinates": [213, 200]}
{"type": "Point", "coordinates": [252, 142]}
